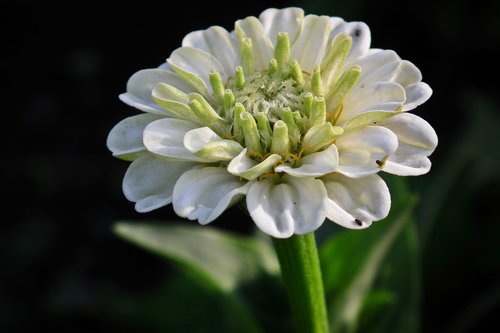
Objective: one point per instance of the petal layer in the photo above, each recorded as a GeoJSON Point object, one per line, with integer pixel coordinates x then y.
{"type": "Point", "coordinates": [217, 42]}
{"type": "Point", "coordinates": [309, 49]}
{"type": "Point", "coordinates": [149, 181]}
{"type": "Point", "coordinates": [165, 137]}
{"type": "Point", "coordinates": [195, 66]}
{"type": "Point", "coordinates": [417, 140]}
{"type": "Point", "coordinates": [315, 164]}
{"type": "Point", "coordinates": [262, 46]}
{"type": "Point", "coordinates": [359, 32]}
{"type": "Point", "coordinates": [246, 167]}
{"type": "Point", "coordinates": [141, 84]}
{"type": "Point", "coordinates": [125, 139]}
{"type": "Point", "coordinates": [203, 194]}
{"type": "Point", "coordinates": [360, 150]}
{"type": "Point", "coordinates": [287, 20]}
{"type": "Point", "coordinates": [355, 202]}
{"type": "Point", "coordinates": [289, 206]}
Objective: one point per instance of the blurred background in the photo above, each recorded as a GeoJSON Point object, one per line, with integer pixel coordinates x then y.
{"type": "Point", "coordinates": [64, 65]}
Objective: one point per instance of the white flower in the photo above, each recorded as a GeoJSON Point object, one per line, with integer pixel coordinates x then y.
{"type": "Point", "coordinates": [295, 114]}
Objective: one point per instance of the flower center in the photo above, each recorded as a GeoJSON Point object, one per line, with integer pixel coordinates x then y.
{"type": "Point", "coordinates": [270, 95]}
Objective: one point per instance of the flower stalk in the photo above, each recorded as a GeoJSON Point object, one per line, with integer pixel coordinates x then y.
{"type": "Point", "coordinates": [301, 273]}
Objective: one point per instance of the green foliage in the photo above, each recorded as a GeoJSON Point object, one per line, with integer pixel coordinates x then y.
{"type": "Point", "coordinates": [231, 270]}
{"type": "Point", "coordinates": [218, 260]}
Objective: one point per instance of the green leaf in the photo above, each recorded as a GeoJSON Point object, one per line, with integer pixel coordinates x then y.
{"type": "Point", "coordinates": [355, 262]}
{"type": "Point", "coordinates": [219, 261]}
{"type": "Point", "coordinates": [377, 300]}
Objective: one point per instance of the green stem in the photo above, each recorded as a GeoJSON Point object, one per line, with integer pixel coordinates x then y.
{"type": "Point", "coordinates": [301, 273]}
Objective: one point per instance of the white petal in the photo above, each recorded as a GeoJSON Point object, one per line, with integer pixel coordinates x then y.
{"type": "Point", "coordinates": [335, 23]}
{"type": "Point", "coordinates": [288, 206]}
{"type": "Point", "coordinates": [125, 139]}
{"type": "Point", "coordinates": [165, 137]}
{"type": "Point", "coordinates": [149, 181]}
{"type": "Point", "coordinates": [247, 168]}
{"type": "Point", "coordinates": [378, 66]}
{"type": "Point", "coordinates": [360, 34]}
{"type": "Point", "coordinates": [195, 139]}
{"type": "Point", "coordinates": [282, 20]}
{"type": "Point", "coordinates": [309, 49]}
{"type": "Point", "coordinates": [408, 166]}
{"type": "Point", "coordinates": [203, 194]}
{"type": "Point", "coordinates": [314, 165]}
{"type": "Point", "coordinates": [417, 140]}
{"type": "Point", "coordinates": [194, 66]}
{"type": "Point", "coordinates": [355, 202]}
{"type": "Point", "coordinates": [407, 74]}
{"type": "Point", "coordinates": [262, 46]}
{"type": "Point", "coordinates": [141, 84]}
{"type": "Point", "coordinates": [217, 42]}
{"type": "Point", "coordinates": [166, 67]}
{"type": "Point", "coordinates": [361, 148]}
{"type": "Point", "coordinates": [372, 96]}
{"type": "Point", "coordinates": [417, 93]}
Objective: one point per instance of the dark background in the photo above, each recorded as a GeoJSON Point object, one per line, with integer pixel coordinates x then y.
{"type": "Point", "coordinates": [63, 66]}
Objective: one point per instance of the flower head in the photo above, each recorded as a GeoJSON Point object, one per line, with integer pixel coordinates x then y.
{"type": "Point", "coordinates": [294, 114]}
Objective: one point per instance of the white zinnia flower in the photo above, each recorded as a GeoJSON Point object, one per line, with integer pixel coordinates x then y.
{"type": "Point", "coordinates": [295, 114]}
